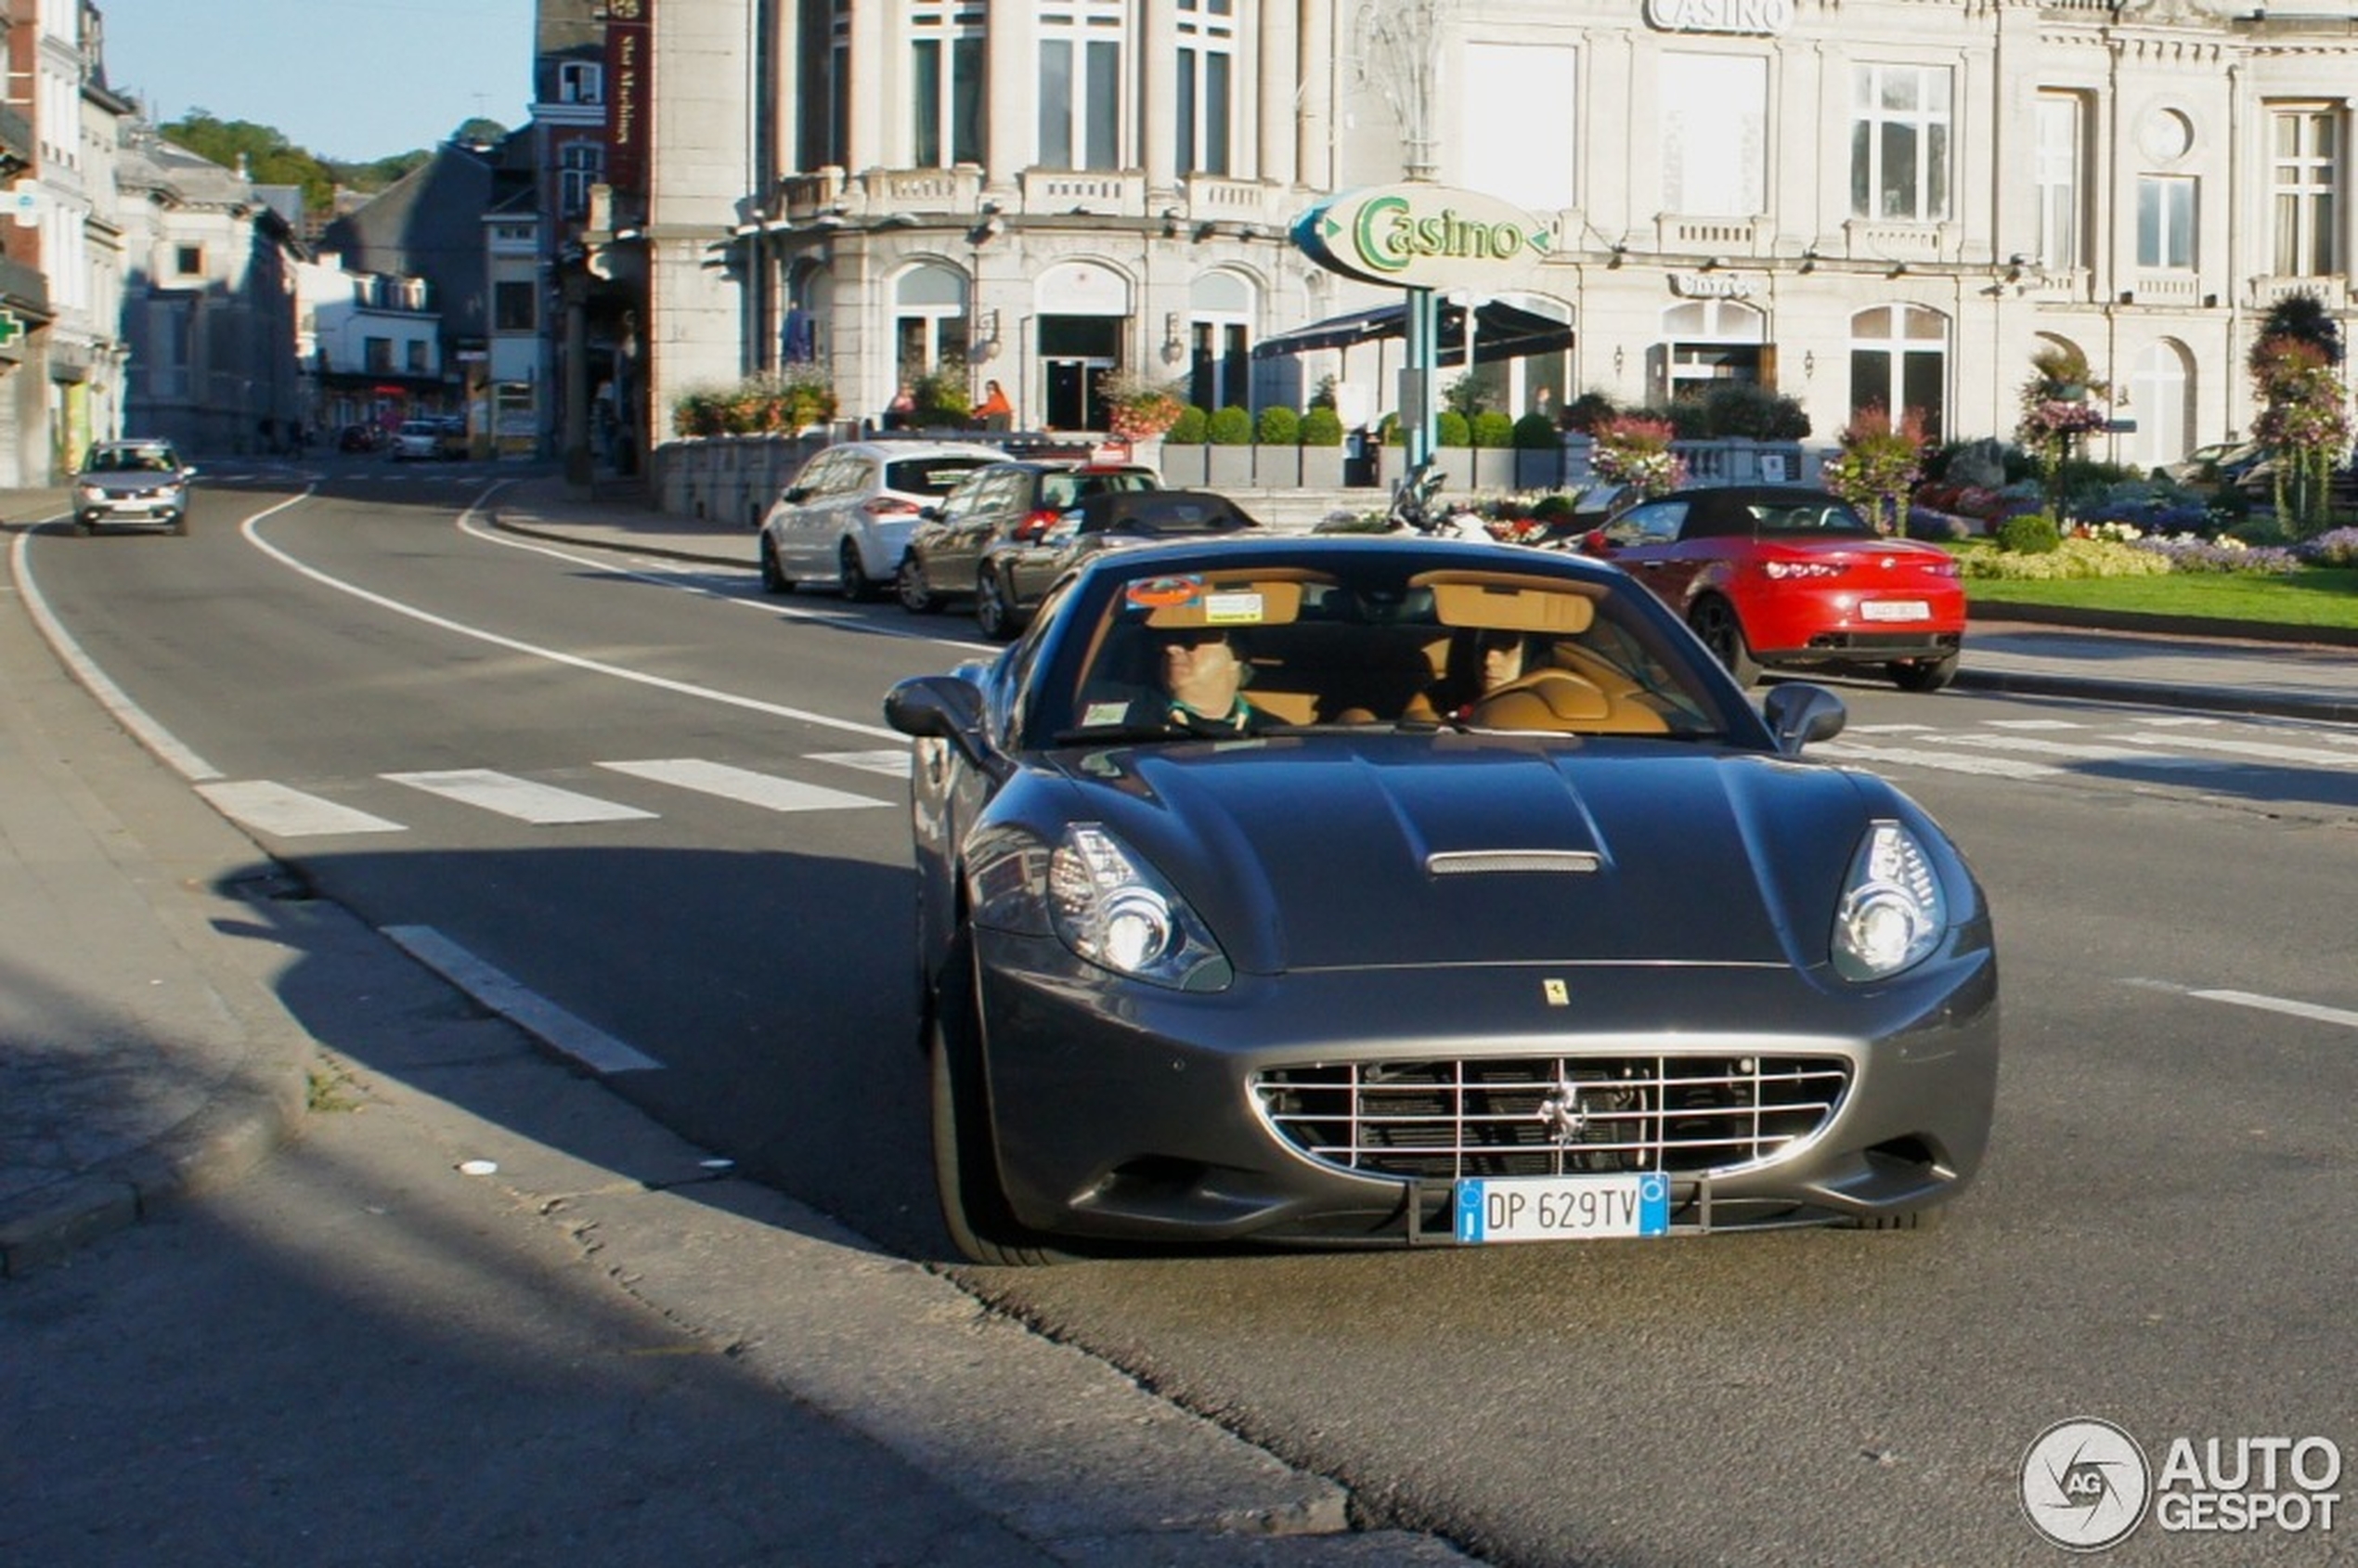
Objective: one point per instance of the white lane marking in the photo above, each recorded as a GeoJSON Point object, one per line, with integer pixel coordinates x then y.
{"type": "Point", "coordinates": [2341, 1016]}
{"type": "Point", "coordinates": [1949, 761]}
{"type": "Point", "coordinates": [520, 799]}
{"type": "Point", "coordinates": [113, 698]}
{"type": "Point", "coordinates": [2088, 751]}
{"type": "Point", "coordinates": [555, 656]}
{"type": "Point", "coordinates": [2264, 751]}
{"type": "Point", "coordinates": [528, 1010]}
{"type": "Point", "coordinates": [288, 813]}
{"type": "Point", "coordinates": [740, 784]}
{"type": "Point", "coordinates": [2188, 720]}
{"type": "Point", "coordinates": [2036, 724]}
{"type": "Point", "coordinates": [1888, 729]}
{"type": "Point", "coordinates": [892, 764]}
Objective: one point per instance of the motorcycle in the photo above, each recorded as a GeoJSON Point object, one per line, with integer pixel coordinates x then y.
{"type": "Point", "coordinates": [1414, 511]}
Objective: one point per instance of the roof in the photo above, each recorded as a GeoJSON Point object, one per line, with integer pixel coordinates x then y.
{"type": "Point", "coordinates": [1501, 332]}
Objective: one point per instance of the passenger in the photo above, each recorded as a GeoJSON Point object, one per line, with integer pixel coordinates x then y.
{"type": "Point", "coordinates": [1201, 673]}
{"type": "Point", "coordinates": [1497, 658]}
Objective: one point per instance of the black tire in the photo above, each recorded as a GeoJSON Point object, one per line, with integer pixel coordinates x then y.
{"type": "Point", "coordinates": [992, 613]}
{"type": "Point", "coordinates": [909, 584]}
{"type": "Point", "coordinates": [966, 1176]}
{"type": "Point", "coordinates": [1922, 675]}
{"type": "Point", "coordinates": [180, 522]}
{"type": "Point", "coordinates": [1714, 621]}
{"type": "Point", "coordinates": [851, 578]}
{"type": "Point", "coordinates": [773, 577]}
{"type": "Point", "coordinates": [88, 526]}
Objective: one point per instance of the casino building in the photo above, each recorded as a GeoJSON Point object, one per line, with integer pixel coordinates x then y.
{"type": "Point", "coordinates": [1850, 201]}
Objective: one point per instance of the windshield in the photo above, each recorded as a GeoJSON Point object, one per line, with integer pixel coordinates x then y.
{"type": "Point", "coordinates": [1806, 519]}
{"type": "Point", "coordinates": [928, 476]}
{"type": "Point", "coordinates": [131, 460]}
{"type": "Point", "coordinates": [1385, 640]}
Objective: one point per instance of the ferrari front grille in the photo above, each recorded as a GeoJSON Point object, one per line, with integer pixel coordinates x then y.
{"type": "Point", "coordinates": [1542, 1116]}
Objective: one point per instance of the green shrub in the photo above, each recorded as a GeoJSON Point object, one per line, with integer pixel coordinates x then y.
{"type": "Point", "coordinates": [1279, 426]}
{"type": "Point", "coordinates": [1535, 432]}
{"type": "Point", "coordinates": [2071, 557]}
{"type": "Point", "coordinates": [1491, 428]}
{"type": "Point", "coordinates": [1588, 410]}
{"type": "Point", "coordinates": [1753, 413]}
{"type": "Point", "coordinates": [1391, 431]}
{"type": "Point", "coordinates": [1187, 430]}
{"type": "Point", "coordinates": [1688, 419]}
{"type": "Point", "coordinates": [1554, 507]}
{"type": "Point", "coordinates": [2033, 533]}
{"type": "Point", "coordinates": [1230, 426]}
{"type": "Point", "coordinates": [1452, 430]}
{"type": "Point", "coordinates": [1322, 426]}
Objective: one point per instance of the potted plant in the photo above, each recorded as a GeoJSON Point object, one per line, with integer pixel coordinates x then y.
{"type": "Point", "coordinates": [1138, 409]}
{"type": "Point", "coordinates": [1878, 466]}
{"type": "Point", "coordinates": [1634, 451]}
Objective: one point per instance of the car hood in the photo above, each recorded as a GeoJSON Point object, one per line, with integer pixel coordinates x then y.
{"type": "Point", "coordinates": [127, 484]}
{"type": "Point", "coordinates": [1317, 853]}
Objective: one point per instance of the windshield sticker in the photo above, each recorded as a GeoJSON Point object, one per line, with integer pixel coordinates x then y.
{"type": "Point", "coordinates": [1233, 609]}
{"type": "Point", "coordinates": [1159, 593]}
{"type": "Point", "coordinates": [1096, 713]}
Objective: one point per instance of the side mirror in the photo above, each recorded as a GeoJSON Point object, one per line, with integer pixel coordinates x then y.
{"type": "Point", "coordinates": [1801, 714]}
{"type": "Point", "coordinates": [1594, 542]}
{"type": "Point", "coordinates": [944, 707]}
{"type": "Point", "coordinates": [794, 495]}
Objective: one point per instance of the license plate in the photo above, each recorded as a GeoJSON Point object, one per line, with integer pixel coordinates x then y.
{"type": "Point", "coordinates": [1562, 1208]}
{"type": "Point", "coordinates": [1895, 610]}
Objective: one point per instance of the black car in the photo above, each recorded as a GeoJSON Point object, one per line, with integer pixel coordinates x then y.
{"type": "Point", "coordinates": [1008, 501]}
{"type": "Point", "coordinates": [1015, 573]}
{"type": "Point", "coordinates": [1388, 958]}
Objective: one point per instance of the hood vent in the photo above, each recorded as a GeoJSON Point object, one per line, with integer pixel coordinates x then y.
{"type": "Point", "coordinates": [1483, 863]}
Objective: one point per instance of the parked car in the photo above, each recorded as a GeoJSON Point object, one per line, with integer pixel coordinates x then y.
{"type": "Point", "coordinates": [1015, 573]}
{"type": "Point", "coordinates": [1602, 958]}
{"type": "Point", "coordinates": [416, 440]}
{"type": "Point", "coordinates": [1006, 500]}
{"type": "Point", "coordinates": [2222, 462]}
{"type": "Point", "coordinates": [451, 438]}
{"type": "Point", "coordinates": [1788, 577]}
{"type": "Point", "coordinates": [360, 439]}
{"type": "Point", "coordinates": [846, 518]}
{"type": "Point", "coordinates": [132, 482]}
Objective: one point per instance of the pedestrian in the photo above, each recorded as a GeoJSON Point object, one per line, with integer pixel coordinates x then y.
{"type": "Point", "coordinates": [994, 412]}
{"type": "Point", "coordinates": [901, 409]}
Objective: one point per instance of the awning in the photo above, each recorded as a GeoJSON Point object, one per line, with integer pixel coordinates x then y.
{"type": "Point", "coordinates": [1501, 332]}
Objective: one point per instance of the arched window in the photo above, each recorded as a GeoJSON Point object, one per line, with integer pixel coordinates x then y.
{"type": "Point", "coordinates": [929, 319]}
{"type": "Point", "coordinates": [1708, 343]}
{"type": "Point", "coordinates": [2161, 399]}
{"type": "Point", "coordinates": [1899, 360]}
{"type": "Point", "coordinates": [1220, 340]}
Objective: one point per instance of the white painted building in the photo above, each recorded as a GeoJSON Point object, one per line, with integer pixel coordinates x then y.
{"type": "Point", "coordinates": [1854, 202]}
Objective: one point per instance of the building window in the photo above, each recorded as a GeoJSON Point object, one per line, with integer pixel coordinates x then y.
{"type": "Point", "coordinates": [187, 261]}
{"type": "Point", "coordinates": [512, 307]}
{"type": "Point", "coordinates": [581, 82]}
{"type": "Point", "coordinates": [417, 356]}
{"type": "Point", "coordinates": [930, 318]}
{"type": "Point", "coordinates": [580, 165]}
{"type": "Point", "coordinates": [2058, 163]}
{"type": "Point", "coordinates": [1900, 142]}
{"type": "Point", "coordinates": [1497, 151]}
{"type": "Point", "coordinates": [1715, 135]}
{"type": "Point", "coordinates": [946, 77]}
{"type": "Point", "coordinates": [2303, 149]}
{"type": "Point", "coordinates": [1080, 55]}
{"type": "Point", "coordinates": [1220, 341]}
{"type": "Point", "coordinates": [1206, 63]}
{"type": "Point", "coordinates": [2165, 221]}
{"type": "Point", "coordinates": [1899, 362]}
{"type": "Point", "coordinates": [376, 356]}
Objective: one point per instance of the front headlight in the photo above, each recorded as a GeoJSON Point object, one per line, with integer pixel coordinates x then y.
{"type": "Point", "coordinates": [1113, 909]}
{"type": "Point", "coordinates": [1892, 913]}
{"type": "Point", "coordinates": [90, 492]}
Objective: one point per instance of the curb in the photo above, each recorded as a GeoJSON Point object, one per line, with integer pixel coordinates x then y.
{"type": "Point", "coordinates": [2196, 698]}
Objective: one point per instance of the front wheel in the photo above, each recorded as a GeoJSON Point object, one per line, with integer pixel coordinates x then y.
{"type": "Point", "coordinates": [180, 522]}
{"type": "Point", "coordinates": [966, 1175]}
{"type": "Point", "coordinates": [773, 576]}
{"type": "Point", "coordinates": [910, 584]}
{"type": "Point", "coordinates": [1714, 621]}
{"type": "Point", "coordinates": [1922, 675]}
{"type": "Point", "coordinates": [992, 613]}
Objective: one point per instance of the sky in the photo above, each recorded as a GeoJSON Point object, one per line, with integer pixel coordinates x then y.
{"type": "Point", "coordinates": [350, 80]}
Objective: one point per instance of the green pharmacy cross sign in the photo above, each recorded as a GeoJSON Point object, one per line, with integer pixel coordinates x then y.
{"type": "Point", "coordinates": [1421, 236]}
{"type": "Point", "coordinates": [11, 327]}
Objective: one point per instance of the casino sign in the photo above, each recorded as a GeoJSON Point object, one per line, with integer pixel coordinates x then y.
{"type": "Point", "coordinates": [1420, 236]}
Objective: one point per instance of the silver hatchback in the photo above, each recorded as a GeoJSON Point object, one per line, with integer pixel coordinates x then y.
{"type": "Point", "coordinates": [846, 517]}
{"type": "Point", "coordinates": [132, 482]}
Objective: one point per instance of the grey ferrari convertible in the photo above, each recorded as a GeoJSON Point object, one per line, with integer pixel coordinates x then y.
{"type": "Point", "coordinates": [1347, 891]}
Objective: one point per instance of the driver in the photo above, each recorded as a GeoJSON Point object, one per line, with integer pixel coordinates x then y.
{"type": "Point", "coordinates": [1201, 673]}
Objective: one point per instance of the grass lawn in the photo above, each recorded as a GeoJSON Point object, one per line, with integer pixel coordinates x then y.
{"type": "Point", "coordinates": [2322, 596]}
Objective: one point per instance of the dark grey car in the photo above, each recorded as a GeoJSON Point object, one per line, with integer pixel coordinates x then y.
{"type": "Point", "coordinates": [1015, 573]}
{"type": "Point", "coordinates": [1596, 954]}
{"type": "Point", "coordinates": [1008, 501]}
{"type": "Point", "coordinates": [132, 482]}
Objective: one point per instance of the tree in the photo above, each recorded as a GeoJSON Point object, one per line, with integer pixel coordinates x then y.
{"type": "Point", "coordinates": [2305, 418]}
{"type": "Point", "coordinates": [2302, 316]}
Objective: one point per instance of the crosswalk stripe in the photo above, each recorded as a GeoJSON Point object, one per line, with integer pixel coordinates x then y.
{"type": "Point", "coordinates": [520, 799]}
{"type": "Point", "coordinates": [2265, 751]}
{"type": "Point", "coordinates": [2085, 751]}
{"type": "Point", "coordinates": [1949, 761]}
{"type": "Point", "coordinates": [892, 764]}
{"type": "Point", "coordinates": [740, 784]}
{"type": "Point", "coordinates": [289, 813]}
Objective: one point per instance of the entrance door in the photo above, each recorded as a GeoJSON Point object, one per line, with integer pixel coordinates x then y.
{"type": "Point", "coordinates": [1073, 403]}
